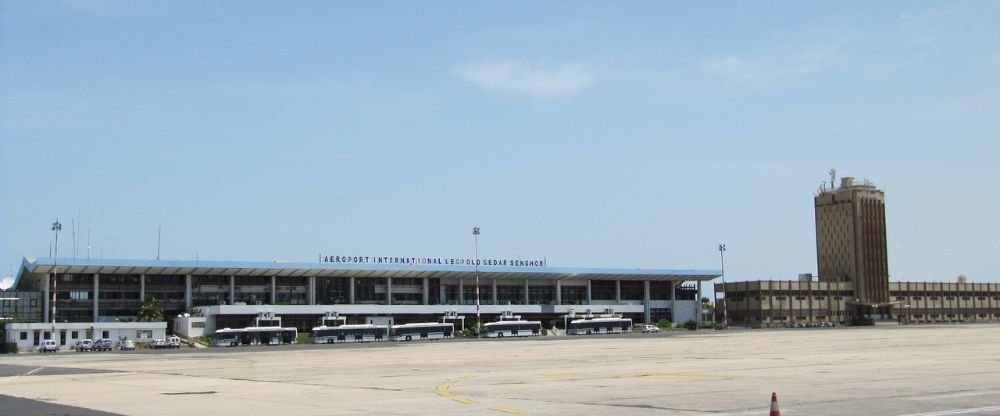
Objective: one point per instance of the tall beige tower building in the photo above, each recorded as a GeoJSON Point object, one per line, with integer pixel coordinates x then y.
{"type": "Point", "coordinates": [851, 239]}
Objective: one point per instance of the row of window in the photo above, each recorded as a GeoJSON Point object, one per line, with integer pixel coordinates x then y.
{"type": "Point", "coordinates": [948, 297]}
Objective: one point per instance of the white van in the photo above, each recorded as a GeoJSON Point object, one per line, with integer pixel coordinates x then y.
{"type": "Point", "coordinates": [173, 342]}
{"type": "Point", "coordinates": [48, 345]}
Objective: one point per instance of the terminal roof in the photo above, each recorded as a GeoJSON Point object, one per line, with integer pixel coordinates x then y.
{"type": "Point", "coordinates": [280, 269]}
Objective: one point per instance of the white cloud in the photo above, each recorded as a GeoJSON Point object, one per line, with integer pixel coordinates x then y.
{"type": "Point", "coordinates": [772, 71]}
{"type": "Point", "coordinates": [535, 80]}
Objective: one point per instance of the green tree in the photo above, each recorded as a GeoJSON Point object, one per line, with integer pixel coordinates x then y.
{"type": "Point", "coordinates": [150, 311]}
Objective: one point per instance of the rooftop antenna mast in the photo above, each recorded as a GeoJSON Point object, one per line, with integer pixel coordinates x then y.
{"type": "Point", "coordinates": [833, 178]}
{"type": "Point", "coordinates": [158, 229]}
{"type": "Point", "coordinates": [73, 229]}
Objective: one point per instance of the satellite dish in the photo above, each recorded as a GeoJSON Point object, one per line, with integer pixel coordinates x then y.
{"type": "Point", "coordinates": [7, 283]}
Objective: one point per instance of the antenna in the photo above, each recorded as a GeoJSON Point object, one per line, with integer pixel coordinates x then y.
{"type": "Point", "coordinates": [158, 229]}
{"type": "Point", "coordinates": [79, 223]}
{"type": "Point", "coordinates": [833, 178]}
{"type": "Point", "coordinates": [88, 244]}
{"type": "Point", "coordinates": [72, 226]}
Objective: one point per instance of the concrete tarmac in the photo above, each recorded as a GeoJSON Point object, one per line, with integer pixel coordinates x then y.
{"type": "Point", "coordinates": [898, 371]}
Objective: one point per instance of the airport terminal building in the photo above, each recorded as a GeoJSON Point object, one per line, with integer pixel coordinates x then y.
{"type": "Point", "coordinates": [361, 289]}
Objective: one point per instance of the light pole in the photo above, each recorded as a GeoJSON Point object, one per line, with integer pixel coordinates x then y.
{"type": "Point", "coordinates": [725, 304]}
{"type": "Point", "coordinates": [475, 234]}
{"type": "Point", "coordinates": [56, 226]}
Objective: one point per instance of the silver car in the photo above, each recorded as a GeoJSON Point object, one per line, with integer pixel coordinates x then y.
{"type": "Point", "coordinates": [84, 345]}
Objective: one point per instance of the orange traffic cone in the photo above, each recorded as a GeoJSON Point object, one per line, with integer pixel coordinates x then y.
{"type": "Point", "coordinates": [774, 405]}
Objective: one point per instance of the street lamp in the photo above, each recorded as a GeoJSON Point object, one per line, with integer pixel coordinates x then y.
{"type": "Point", "coordinates": [56, 226]}
{"type": "Point", "coordinates": [725, 303]}
{"type": "Point", "coordinates": [475, 234]}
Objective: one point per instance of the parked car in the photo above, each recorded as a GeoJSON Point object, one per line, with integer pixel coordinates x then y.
{"type": "Point", "coordinates": [173, 342]}
{"type": "Point", "coordinates": [48, 345]}
{"type": "Point", "coordinates": [104, 344]}
{"type": "Point", "coordinates": [128, 345]}
{"type": "Point", "coordinates": [158, 343]}
{"type": "Point", "coordinates": [650, 329]}
{"type": "Point", "coordinates": [84, 345]}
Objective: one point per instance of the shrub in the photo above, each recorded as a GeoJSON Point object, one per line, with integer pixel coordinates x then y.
{"type": "Point", "coordinates": [664, 323]}
{"type": "Point", "coordinates": [691, 325]}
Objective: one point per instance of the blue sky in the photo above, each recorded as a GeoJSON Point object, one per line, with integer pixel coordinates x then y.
{"type": "Point", "coordinates": [591, 134]}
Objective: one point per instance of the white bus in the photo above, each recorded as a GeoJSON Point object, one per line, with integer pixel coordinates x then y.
{"type": "Point", "coordinates": [425, 330]}
{"type": "Point", "coordinates": [349, 333]}
{"type": "Point", "coordinates": [227, 337]}
{"type": "Point", "coordinates": [599, 326]}
{"type": "Point", "coordinates": [254, 335]}
{"type": "Point", "coordinates": [512, 329]}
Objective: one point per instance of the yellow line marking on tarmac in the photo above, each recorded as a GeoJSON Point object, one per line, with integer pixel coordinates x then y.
{"type": "Point", "coordinates": [466, 401]}
{"type": "Point", "coordinates": [508, 410]}
{"type": "Point", "coordinates": [442, 389]}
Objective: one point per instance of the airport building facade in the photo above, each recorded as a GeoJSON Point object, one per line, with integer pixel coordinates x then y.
{"type": "Point", "coordinates": [783, 303]}
{"type": "Point", "coordinates": [233, 294]}
{"type": "Point", "coordinates": [853, 285]}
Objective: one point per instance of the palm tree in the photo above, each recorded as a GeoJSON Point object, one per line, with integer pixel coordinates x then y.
{"type": "Point", "coordinates": [150, 311]}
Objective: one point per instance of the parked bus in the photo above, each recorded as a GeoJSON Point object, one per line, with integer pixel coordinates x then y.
{"type": "Point", "coordinates": [512, 329]}
{"type": "Point", "coordinates": [349, 333]}
{"type": "Point", "coordinates": [425, 330]}
{"type": "Point", "coordinates": [599, 326]}
{"type": "Point", "coordinates": [227, 337]}
{"type": "Point", "coordinates": [254, 335]}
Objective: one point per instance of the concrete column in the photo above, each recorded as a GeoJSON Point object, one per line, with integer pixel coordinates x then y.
{"type": "Point", "coordinates": [426, 292]}
{"type": "Point", "coordinates": [312, 290]}
{"type": "Point", "coordinates": [46, 308]}
{"type": "Point", "coordinates": [350, 291]}
{"type": "Point", "coordinates": [274, 290]}
{"type": "Point", "coordinates": [97, 296]}
{"type": "Point", "coordinates": [697, 304]}
{"type": "Point", "coordinates": [645, 300]}
{"type": "Point", "coordinates": [442, 292]}
{"type": "Point", "coordinates": [673, 298]}
{"type": "Point", "coordinates": [527, 298]}
{"type": "Point", "coordinates": [187, 292]}
{"type": "Point", "coordinates": [232, 290]}
{"type": "Point", "coordinates": [494, 292]}
{"type": "Point", "coordinates": [388, 291]}
{"type": "Point", "coordinates": [618, 290]}
{"type": "Point", "coordinates": [588, 292]}
{"type": "Point", "coordinates": [558, 292]}
{"type": "Point", "coordinates": [461, 291]}
{"type": "Point", "coordinates": [142, 288]}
